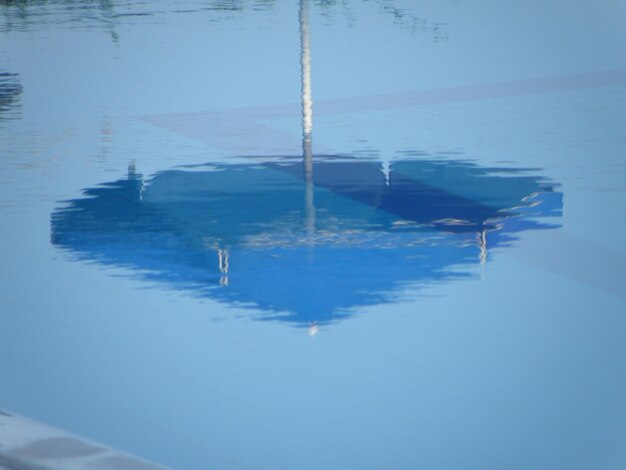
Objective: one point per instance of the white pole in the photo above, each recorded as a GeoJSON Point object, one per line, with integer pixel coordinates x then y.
{"type": "Point", "coordinates": [307, 117]}
{"type": "Point", "coordinates": [305, 68]}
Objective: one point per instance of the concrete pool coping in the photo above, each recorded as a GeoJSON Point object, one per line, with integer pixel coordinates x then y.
{"type": "Point", "coordinates": [29, 445]}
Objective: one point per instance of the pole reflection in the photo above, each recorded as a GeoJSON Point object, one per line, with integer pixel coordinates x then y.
{"type": "Point", "coordinates": [307, 117]}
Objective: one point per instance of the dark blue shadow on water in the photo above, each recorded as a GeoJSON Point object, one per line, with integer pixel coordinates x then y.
{"type": "Point", "coordinates": [306, 245]}
{"type": "Point", "coordinates": [10, 90]}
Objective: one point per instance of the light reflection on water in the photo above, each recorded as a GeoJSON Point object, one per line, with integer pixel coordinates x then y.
{"type": "Point", "coordinates": [252, 234]}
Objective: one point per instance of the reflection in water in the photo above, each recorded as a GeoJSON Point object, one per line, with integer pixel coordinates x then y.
{"type": "Point", "coordinates": [305, 240]}
{"type": "Point", "coordinates": [23, 15]}
{"type": "Point", "coordinates": [404, 16]}
{"type": "Point", "coordinates": [240, 233]}
{"type": "Point", "coordinates": [305, 72]}
{"type": "Point", "coordinates": [307, 115]}
{"type": "Point", "coordinates": [10, 90]}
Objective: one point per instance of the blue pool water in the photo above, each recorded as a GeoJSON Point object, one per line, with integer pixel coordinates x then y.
{"type": "Point", "coordinates": [425, 268]}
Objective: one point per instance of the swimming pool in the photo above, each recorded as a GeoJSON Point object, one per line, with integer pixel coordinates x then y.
{"type": "Point", "coordinates": [423, 269]}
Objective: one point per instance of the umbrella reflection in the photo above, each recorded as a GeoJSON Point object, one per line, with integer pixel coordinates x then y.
{"type": "Point", "coordinates": [306, 240]}
{"type": "Point", "coordinates": [243, 234]}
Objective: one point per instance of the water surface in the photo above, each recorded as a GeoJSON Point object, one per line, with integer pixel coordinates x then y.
{"type": "Point", "coordinates": [422, 267]}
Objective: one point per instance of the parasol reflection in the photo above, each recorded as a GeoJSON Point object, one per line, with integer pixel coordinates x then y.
{"type": "Point", "coordinates": [306, 247]}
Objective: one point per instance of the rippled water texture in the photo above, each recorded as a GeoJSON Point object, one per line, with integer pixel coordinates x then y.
{"type": "Point", "coordinates": [317, 234]}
